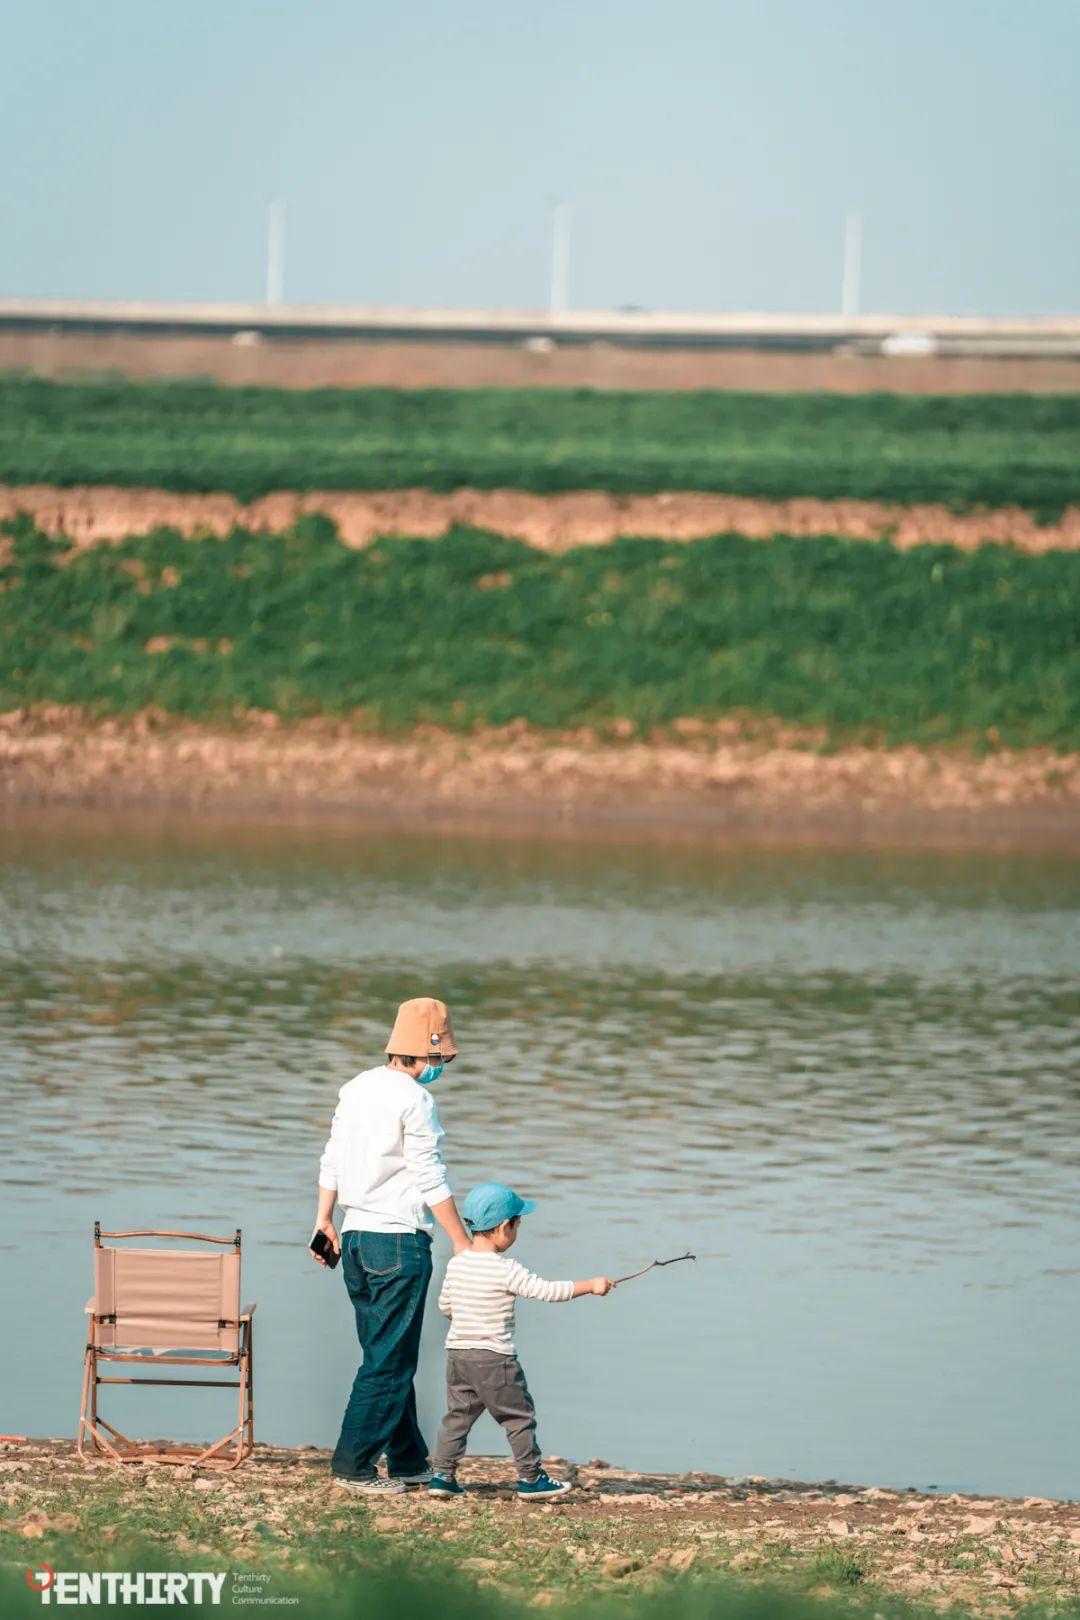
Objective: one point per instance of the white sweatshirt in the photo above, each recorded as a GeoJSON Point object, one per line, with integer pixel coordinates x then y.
{"type": "Point", "coordinates": [383, 1158]}
{"type": "Point", "coordinates": [478, 1295]}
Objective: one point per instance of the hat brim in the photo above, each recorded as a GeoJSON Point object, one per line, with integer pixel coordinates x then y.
{"type": "Point", "coordinates": [527, 1206]}
{"type": "Point", "coordinates": [445, 1049]}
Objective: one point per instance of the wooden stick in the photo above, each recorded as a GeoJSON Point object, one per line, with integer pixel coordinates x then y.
{"type": "Point", "coordinates": [673, 1262]}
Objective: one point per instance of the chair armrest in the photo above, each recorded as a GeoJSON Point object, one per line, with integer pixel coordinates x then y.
{"type": "Point", "coordinates": [90, 1308]}
{"type": "Point", "coordinates": [247, 1313]}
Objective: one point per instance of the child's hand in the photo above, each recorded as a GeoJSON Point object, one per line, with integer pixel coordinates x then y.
{"type": "Point", "coordinates": [602, 1285]}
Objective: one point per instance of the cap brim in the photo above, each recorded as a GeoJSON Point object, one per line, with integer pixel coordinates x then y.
{"type": "Point", "coordinates": [527, 1206]}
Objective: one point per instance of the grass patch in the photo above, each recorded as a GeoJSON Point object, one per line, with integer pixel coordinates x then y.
{"type": "Point", "coordinates": [833, 1566]}
{"type": "Point", "coordinates": [925, 646]}
{"type": "Point", "coordinates": [717, 1556]}
{"type": "Point", "coordinates": [965, 450]}
{"type": "Point", "coordinates": [400, 1591]}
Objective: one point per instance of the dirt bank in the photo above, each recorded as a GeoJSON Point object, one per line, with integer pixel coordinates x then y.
{"type": "Point", "coordinates": [282, 362]}
{"type": "Point", "coordinates": [279, 1514]}
{"type": "Point", "coordinates": [706, 779]}
{"type": "Point", "coordinates": [91, 513]}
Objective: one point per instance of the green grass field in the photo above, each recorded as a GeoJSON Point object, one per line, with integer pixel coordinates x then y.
{"type": "Point", "coordinates": [344, 1592]}
{"type": "Point", "coordinates": [723, 1554]}
{"type": "Point", "coordinates": [965, 451]}
{"type": "Point", "coordinates": [926, 645]}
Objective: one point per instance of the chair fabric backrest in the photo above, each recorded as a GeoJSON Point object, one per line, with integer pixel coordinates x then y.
{"type": "Point", "coordinates": [167, 1299]}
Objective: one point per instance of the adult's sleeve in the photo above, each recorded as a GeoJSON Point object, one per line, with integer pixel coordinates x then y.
{"type": "Point", "coordinates": [423, 1157]}
{"type": "Point", "coordinates": [331, 1156]}
{"type": "Point", "coordinates": [527, 1285]}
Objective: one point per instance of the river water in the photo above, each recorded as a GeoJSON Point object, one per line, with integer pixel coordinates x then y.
{"type": "Point", "coordinates": [847, 1081]}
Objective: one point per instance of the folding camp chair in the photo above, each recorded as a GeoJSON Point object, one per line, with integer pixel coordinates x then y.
{"type": "Point", "coordinates": [168, 1307]}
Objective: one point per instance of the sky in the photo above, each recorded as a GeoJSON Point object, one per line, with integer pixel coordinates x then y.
{"type": "Point", "coordinates": [708, 151]}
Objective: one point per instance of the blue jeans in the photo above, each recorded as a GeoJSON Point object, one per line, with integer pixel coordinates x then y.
{"type": "Point", "coordinates": [387, 1275]}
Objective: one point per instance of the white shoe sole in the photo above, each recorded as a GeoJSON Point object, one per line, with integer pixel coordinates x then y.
{"type": "Point", "coordinates": [362, 1487]}
{"type": "Point", "coordinates": [546, 1496]}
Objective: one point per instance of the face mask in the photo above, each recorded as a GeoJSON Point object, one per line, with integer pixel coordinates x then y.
{"type": "Point", "coordinates": [430, 1073]}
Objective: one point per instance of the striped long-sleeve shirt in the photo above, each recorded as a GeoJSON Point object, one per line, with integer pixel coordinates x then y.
{"type": "Point", "coordinates": [478, 1294]}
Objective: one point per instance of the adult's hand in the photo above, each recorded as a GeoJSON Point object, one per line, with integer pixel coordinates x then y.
{"type": "Point", "coordinates": [327, 1228]}
{"type": "Point", "coordinates": [446, 1213]}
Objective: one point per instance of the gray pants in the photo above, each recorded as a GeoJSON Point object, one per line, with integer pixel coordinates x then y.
{"type": "Point", "coordinates": [485, 1381]}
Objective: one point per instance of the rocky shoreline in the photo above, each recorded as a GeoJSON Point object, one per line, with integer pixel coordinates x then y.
{"type": "Point", "coordinates": [984, 1554]}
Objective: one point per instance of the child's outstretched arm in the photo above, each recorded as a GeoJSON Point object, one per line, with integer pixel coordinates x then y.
{"type": "Point", "coordinates": [527, 1285]}
{"type": "Point", "coordinates": [593, 1285]}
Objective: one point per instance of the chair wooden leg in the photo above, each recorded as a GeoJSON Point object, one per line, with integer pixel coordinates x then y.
{"type": "Point", "coordinates": [241, 1416]}
{"type": "Point", "coordinates": [88, 1370]}
{"type": "Point", "coordinates": [244, 1432]}
{"type": "Point", "coordinates": [94, 1398]}
{"type": "Point", "coordinates": [98, 1437]}
{"type": "Point", "coordinates": [250, 1390]}
{"type": "Point", "coordinates": [92, 1440]}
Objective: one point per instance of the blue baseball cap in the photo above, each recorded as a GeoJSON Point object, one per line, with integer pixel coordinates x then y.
{"type": "Point", "coordinates": [492, 1203]}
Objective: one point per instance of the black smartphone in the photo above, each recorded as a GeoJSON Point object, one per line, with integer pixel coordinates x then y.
{"type": "Point", "coordinates": [322, 1246]}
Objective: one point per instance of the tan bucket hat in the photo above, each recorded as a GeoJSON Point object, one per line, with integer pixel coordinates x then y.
{"type": "Point", "coordinates": [422, 1028]}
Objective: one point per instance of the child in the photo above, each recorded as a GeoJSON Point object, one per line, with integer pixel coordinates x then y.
{"type": "Point", "coordinates": [482, 1371]}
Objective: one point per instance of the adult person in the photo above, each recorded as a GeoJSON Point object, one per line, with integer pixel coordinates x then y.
{"type": "Point", "coordinates": [384, 1166]}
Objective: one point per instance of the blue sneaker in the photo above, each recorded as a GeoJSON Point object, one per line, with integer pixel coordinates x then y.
{"type": "Point", "coordinates": [443, 1485]}
{"type": "Point", "coordinates": [542, 1488]}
